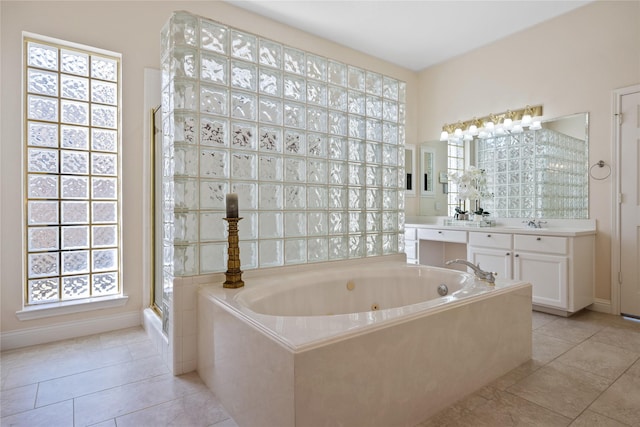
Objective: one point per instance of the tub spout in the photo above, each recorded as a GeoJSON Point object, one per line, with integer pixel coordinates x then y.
{"type": "Point", "coordinates": [487, 276]}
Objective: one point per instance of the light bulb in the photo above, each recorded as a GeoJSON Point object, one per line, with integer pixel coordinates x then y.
{"type": "Point", "coordinates": [489, 127]}
{"type": "Point", "coordinates": [473, 130]}
{"type": "Point", "coordinates": [507, 124]}
{"type": "Point", "coordinates": [526, 120]}
{"type": "Point", "coordinates": [444, 136]}
{"type": "Point", "coordinates": [458, 133]}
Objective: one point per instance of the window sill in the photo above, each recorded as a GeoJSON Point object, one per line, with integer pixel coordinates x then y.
{"type": "Point", "coordinates": [70, 307]}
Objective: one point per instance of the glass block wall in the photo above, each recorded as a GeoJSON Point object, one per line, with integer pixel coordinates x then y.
{"type": "Point", "coordinates": [535, 174]}
{"type": "Point", "coordinates": [313, 148]}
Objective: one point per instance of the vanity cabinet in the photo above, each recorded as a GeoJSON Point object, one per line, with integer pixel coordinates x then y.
{"type": "Point", "coordinates": [435, 246]}
{"type": "Point", "coordinates": [492, 252]}
{"type": "Point", "coordinates": [442, 235]}
{"type": "Point", "coordinates": [548, 276]}
{"type": "Point", "coordinates": [411, 244]}
{"type": "Point", "coordinates": [560, 269]}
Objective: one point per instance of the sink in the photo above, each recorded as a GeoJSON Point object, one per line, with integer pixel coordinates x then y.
{"type": "Point", "coordinates": [521, 227]}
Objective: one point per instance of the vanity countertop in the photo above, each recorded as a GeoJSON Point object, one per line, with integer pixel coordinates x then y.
{"type": "Point", "coordinates": [567, 228]}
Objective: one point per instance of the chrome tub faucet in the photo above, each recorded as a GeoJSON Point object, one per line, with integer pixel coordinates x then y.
{"type": "Point", "coordinates": [486, 276]}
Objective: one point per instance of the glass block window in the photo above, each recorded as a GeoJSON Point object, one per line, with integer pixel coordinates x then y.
{"type": "Point", "coordinates": [310, 145]}
{"type": "Point", "coordinates": [456, 159]}
{"type": "Point", "coordinates": [71, 171]}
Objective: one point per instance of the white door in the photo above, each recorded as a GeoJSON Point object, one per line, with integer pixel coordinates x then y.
{"type": "Point", "coordinates": [630, 206]}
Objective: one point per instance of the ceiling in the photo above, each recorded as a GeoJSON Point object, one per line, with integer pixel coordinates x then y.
{"type": "Point", "coordinates": [414, 34]}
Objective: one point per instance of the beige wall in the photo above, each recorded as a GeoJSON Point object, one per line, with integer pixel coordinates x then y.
{"type": "Point", "coordinates": [570, 64]}
{"type": "Point", "coordinates": [133, 29]}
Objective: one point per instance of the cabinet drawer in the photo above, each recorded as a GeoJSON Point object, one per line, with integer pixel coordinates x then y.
{"type": "Point", "coordinates": [544, 244]}
{"type": "Point", "coordinates": [410, 233]}
{"type": "Point", "coordinates": [455, 236]}
{"type": "Point", "coordinates": [490, 240]}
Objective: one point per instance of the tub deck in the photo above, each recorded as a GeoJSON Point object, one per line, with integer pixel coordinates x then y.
{"type": "Point", "coordinates": [383, 369]}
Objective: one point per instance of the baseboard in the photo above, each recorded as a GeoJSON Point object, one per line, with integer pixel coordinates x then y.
{"type": "Point", "coordinates": [601, 305]}
{"type": "Point", "coordinates": [67, 330]}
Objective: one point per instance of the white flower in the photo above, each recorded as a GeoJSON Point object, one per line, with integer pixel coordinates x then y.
{"type": "Point", "coordinates": [470, 183]}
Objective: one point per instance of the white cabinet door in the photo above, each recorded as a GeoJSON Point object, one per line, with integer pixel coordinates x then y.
{"type": "Point", "coordinates": [548, 276]}
{"type": "Point", "coordinates": [494, 260]}
{"type": "Point", "coordinates": [411, 250]}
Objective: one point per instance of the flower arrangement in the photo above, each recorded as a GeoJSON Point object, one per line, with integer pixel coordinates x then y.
{"type": "Point", "coordinates": [471, 183]}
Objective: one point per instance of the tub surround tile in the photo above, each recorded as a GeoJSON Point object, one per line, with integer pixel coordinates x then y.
{"type": "Point", "coordinates": [620, 401]}
{"type": "Point", "coordinates": [189, 349]}
{"type": "Point", "coordinates": [357, 381]}
{"type": "Point", "coordinates": [183, 322]}
{"type": "Point", "coordinates": [561, 388]}
{"type": "Point", "coordinates": [252, 375]}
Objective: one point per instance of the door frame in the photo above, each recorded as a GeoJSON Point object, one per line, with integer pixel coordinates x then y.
{"type": "Point", "coordinates": [616, 267]}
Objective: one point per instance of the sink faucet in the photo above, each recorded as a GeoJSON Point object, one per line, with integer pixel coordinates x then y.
{"type": "Point", "coordinates": [480, 274]}
{"type": "Point", "coordinates": [533, 223]}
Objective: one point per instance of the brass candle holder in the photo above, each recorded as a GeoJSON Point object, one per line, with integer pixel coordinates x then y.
{"type": "Point", "coordinates": [233, 273]}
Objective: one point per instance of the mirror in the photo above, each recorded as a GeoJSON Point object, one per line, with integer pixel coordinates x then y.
{"type": "Point", "coordinates": [410, 168]}
{"type": "Point", "coordinates": [427, 158]}
{"type": "Point", "coordinates": [534, 174]}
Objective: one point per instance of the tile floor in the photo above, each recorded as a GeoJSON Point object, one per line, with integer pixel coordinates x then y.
{"type": "Point", "coordinates": [106, 380]}
{"type": "Point", "coordinates": [585, 371]}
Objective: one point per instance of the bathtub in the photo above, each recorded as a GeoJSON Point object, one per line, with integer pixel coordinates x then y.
{"type": "Point", "coordinates": [370, 342]}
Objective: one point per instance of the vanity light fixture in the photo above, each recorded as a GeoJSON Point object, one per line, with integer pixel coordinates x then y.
{"type": "Point", "coordinates": [511, 121]}
{"type": "Point", "coordinates": [446, 130]}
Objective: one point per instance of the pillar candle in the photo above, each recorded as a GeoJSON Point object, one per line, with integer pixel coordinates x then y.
{"type": "Point", "coordinates": [232, 205]}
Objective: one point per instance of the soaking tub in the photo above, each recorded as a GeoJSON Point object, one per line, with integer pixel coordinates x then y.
{"type": "Point", "coordinates": [357, 344]}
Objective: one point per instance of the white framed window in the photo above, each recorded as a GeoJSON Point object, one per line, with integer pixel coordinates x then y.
{"type": "Point", "coordinates": [72, 178]}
